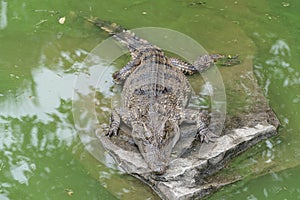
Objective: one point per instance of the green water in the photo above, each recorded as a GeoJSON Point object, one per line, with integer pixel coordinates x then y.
{"type": "Point", "coordinates": [41, 155]}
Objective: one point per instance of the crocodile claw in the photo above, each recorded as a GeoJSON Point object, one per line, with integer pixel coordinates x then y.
{"type": "Point", "coordinates": [114, 124]}
{"type": "Point", "coordinates": [206, 135]}
{"type": "Point", "coordinates": [112, 132]}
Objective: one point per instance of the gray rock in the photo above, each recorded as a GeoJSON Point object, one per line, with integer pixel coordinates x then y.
{"type": "Point", "coordinates": [186, 177]}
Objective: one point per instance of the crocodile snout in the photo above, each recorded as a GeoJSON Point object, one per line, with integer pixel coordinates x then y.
{"type": "Point", "coordinates": [157, 160]}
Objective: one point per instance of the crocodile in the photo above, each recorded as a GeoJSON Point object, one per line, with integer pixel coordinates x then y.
{"type": "Point", "coordinates": [155, 96]}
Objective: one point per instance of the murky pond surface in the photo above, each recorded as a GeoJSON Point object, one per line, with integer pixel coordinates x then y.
{"type": "Point", "coordinates": [41, 155]}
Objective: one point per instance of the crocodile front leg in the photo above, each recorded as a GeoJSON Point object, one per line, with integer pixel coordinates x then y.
{"type": "Point", "coordinates": [204, 62]}
{"type": "Point", "coordinates": [202, 119]}
{"type": "Point", "coordinates": [116, 116]}
{"type": "Point", "coordinates": [114, 123]}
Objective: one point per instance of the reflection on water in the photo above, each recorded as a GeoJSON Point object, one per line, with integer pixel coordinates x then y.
{"type": "Point", "coordinates": [268, 154]}
{"type": "Point", "coordinates": [38, 141]}
{"type": "Point", "coordinates": [278, 72]}
{"type": "Point", "coordinates": [280, 47]}
{"type": "Point", "coordinates": [34, 153]}
{"type": "Point", "coordinates": [43, 99]}
{"type": "Point", "coordinates": [3, 14]}
{"type": "Point", "coordinates": [278, 66]}
{"type": "Point", "coordinates": [276, 186]}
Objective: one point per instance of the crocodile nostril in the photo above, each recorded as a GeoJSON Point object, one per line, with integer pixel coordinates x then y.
{"type": "Point", "coordinates": [159, 169]}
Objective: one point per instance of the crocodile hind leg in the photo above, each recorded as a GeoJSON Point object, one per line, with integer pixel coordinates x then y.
{"type": "Point", "coordinates": [204, 62]}
{"type": "Point", "coordinates": [121, 75]}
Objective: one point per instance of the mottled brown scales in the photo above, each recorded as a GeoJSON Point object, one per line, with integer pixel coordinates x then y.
{"type": "Point", "coordinates": [155, 96]}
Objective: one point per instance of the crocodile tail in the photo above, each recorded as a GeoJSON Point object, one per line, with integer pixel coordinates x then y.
{"type": "Point", "coordinates": [111, 28]}
{"type": "Point", "coordinates": [124, 36]}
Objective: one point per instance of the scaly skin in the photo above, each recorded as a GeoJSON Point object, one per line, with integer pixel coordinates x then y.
{"type": "Point", "coordinates": [155, 95]}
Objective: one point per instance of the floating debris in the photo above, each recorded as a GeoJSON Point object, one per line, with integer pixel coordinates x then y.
{"type": "Point", "coordinates": [62, 20]}
{"type": "Point", "coordinates": [48, 11]}
{"type": "Point", "coordinates": [41, 22]}
{"type": "Point", "coordinates": [285, 4]}
{"type": "Point", "coordinates": [69, 192]}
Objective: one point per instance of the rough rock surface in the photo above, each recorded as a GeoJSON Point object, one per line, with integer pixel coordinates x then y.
{"type": "Point", "coordinates": [186, 176]}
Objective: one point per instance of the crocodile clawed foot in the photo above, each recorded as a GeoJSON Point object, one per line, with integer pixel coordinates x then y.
{"type": "Point", "coordinates": [112, 132]}
{"type": "Point", "coordinates": [206, 136]}
{"type": "Point", "coordinates": [113, 129]}
{"type": "Point", "coordinates": [114, 124]}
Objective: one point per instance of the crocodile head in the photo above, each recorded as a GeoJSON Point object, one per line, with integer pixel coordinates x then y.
{"type": "Point", "coordinates": [155, 141]}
